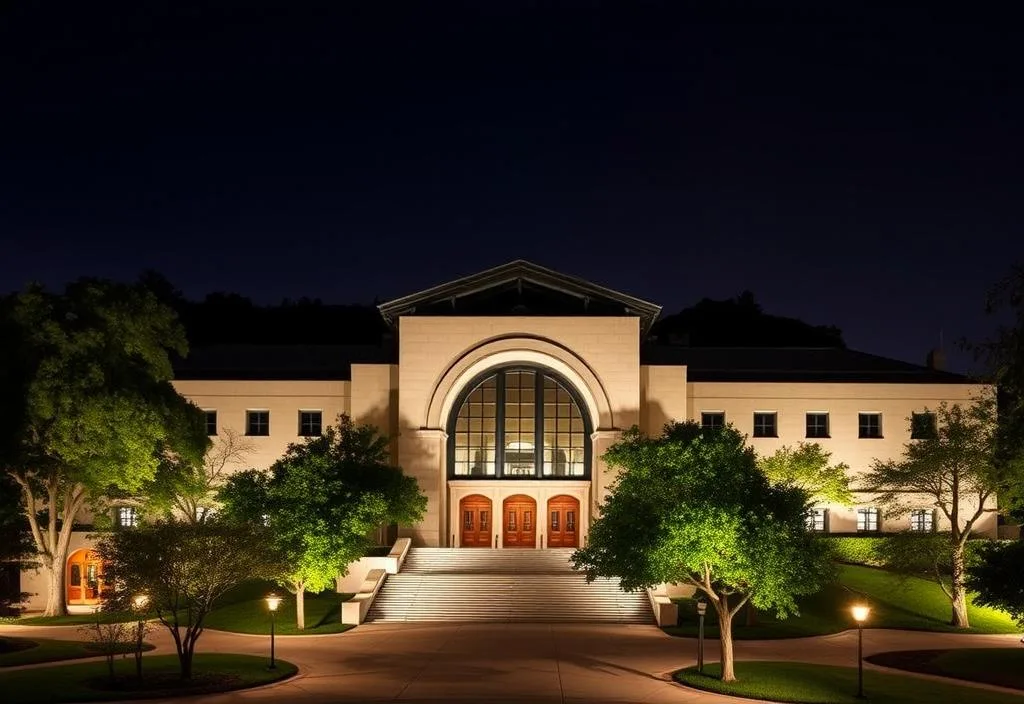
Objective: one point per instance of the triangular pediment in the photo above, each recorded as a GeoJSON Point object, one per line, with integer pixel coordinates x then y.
{"type": "Point", "coordinates": [521, 288]}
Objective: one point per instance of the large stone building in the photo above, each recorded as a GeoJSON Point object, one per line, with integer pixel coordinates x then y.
{"type": "Point", "coordinates": [502, 391]}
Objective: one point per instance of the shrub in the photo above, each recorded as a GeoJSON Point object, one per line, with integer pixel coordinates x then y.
{"type": "Point", "coordinates": [855, 549]}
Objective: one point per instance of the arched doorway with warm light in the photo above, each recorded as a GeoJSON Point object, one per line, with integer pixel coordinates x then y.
{"type": "Point", "coordinates": [84, 578]}
{"type": "Point", "coordinates": [563, 522]}
{"type": "Point", "coordinates": [477, 521]}
{"type": "Point", "coordinates": [520, 516]}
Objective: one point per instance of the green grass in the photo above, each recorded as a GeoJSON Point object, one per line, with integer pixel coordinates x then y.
{"type": "Point", "coordinates": [242, 610]}
{"type": "Point", "coordinates": [911, 603]}
{"type": "Point", "coordinates": [826, 684]}
{"type": "Point", "coordinates": [245, 611]}
{"type": "Point", "coordinates": [999, 666]}
{"type": "Point", "coordinates": [24, 651]}
{"type": "Point", "coordinates": [85, 682]}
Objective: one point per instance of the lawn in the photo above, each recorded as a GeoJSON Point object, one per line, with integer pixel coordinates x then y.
{"type": "Point", "coordinates": [84, 682]}
{"type": "Point", "coordinates": [25, 651]}
{"type": "Point", "coordinates": [998, 666]}
{"type": "Point", "coordinates": [912, 603]}
{"type": "Point", "coordinates": [242, 610]}
{"type": "Point", "coordinates": [826, 684]}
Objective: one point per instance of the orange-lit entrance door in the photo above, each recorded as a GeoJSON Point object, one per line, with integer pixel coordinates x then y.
{"type": "Point", "coordinates": [476, 516]}
{"type": "Point", "coordinates": [563, 522]}
{"type": "Point", "coordinates": [520, 516]}
{"type": "Point", "coordinates": [84, 578]}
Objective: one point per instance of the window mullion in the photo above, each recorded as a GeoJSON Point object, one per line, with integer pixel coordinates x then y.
{"type": "Point", "coordinates": [538, 424]}
{"type": "Point", "coordinates": [499, 425]}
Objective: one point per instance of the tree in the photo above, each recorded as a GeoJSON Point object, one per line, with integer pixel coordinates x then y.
{"type": "Point", "coordinates": [183, 569]}
{"type": "Point", "coordinates": [87, 388]}
{"type": "Point", "coordinates": [322, 500]}
{"type": "Point", "coordinates": [808, 467]}
{"type": "Point", "coordinates": [957, 471]}
{"type": "Point", "coordinates": [925, 555]}
{"type": "Point", "coordinates": [189, 491]}
{"type": "Point", "coordinates": [692, 507]}
{"type": "Point", "coordinates": [997, 578]}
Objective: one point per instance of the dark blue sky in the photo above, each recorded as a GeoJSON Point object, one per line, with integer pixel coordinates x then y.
{"type": "Point", "coordinates": [856, 167]}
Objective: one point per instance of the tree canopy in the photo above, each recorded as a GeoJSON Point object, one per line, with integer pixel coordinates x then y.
{"type": "Point", "coordinates": [692, 507]}
{"type": "Point", "coordinates": [809, 467]}
{"type": "Point", "coordinates": [86, 387]}
{"type": "Point", "coordinates": [322, 500]}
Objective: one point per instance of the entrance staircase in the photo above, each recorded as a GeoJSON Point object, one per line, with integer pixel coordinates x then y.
{"type": "Point", "coordinates": [533, 586]}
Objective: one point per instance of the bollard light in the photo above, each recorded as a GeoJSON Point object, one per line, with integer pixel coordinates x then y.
{"type": "Point", "coordinates": [860, 615]}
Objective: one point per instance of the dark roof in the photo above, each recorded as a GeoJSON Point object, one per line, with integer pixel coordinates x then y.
{"type": "Point", "coordinates": [589, 298]}
{"type": "Point", "coordinates": [286, 362]}
{"type": "Point", "coordinates": [818, 364]}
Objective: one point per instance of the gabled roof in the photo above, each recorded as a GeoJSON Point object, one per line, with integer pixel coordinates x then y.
{"type": "Point", "coordinates": [794, 364]}
{"type": "Point", "coordinates": [569, 295]}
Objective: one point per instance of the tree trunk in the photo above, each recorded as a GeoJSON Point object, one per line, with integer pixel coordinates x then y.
{"type": "Point", "coordinates": [185, 660]}
{"type": "Point", "coordinates": [300, 608]}
{"type": "Point", "coordinates": [959, 616]}
{"type": "Point", "coordinates": [56, 604]}
{"type": "Point", "coordinates": [725, 638]}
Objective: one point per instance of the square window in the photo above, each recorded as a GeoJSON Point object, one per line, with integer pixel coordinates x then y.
{"type": "Point", "coordinates": [257, 422]}
{"type": "Point", "coordinates": [867, 519]}
{"type": "Point", "coordinates": [211, 423]}
{"type": "Point", "coordinates": [923, 426]}
{"type": "Point", "coordinates": [311, 424]}
{"type": "Point", "coordinates": [869, 425]}
{"type": "Point", "coordinates": [712, 420]}
{"type": "Point", "coordinates": [127, 517]}
{"type": "Point", "coordinates": [922, 520]}
{"type": "Point", "coordinates": [815, 520]}
{"type": "Point", "coordinates": [817, 425]}
{"type": "Point", "coordinates": [766, 425]}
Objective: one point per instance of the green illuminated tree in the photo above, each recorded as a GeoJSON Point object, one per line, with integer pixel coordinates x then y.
{"type": "Point", "coordinates": [957, 471]}
{"type": "Point", "coordinates": [87, 405]}
{"type": "Point", "coordinates": [997, 578]}
{"type": "Point", "coordinates": [809, 467]}
{"type": "Point", "coordinates": [321, 502]}
{"type": "Point", "coordinates": [692, 507]}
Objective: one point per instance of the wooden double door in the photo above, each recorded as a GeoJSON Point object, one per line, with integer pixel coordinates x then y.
{"type": "Point", "coordinates": [477, 517]}
{"type": "Point", "coordinates": [84, 578]}
{"type": "Point", "coordinates": [563, 522]}
{"type": "Point", "coordinates": [520, 515]}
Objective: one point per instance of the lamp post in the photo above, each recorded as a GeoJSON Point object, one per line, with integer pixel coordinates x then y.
{"type": "Point", "coordinates": [273, 601]}
{"type": "Point", "coordinates": [860, 615]}
{"type": "Point", "coordinates": [702, 607]}
{"type": "Point", "coordinates": [139, 601]}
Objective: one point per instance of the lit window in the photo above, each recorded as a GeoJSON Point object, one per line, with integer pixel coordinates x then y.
{"type": "Point", "coordinates": [127, 517]}
{"type": "Point", "coordinates": [815, 520]}
{"type": "Point", "coordinates": [923, 426]}
{"type": "Point", "coordinates": [817, 425]}
{"type": "Point", "coordinates": [869, 425]}
{"type": "Point", "coordinates": [712, 420]}
{"type": "Point", "coordinates": [922, 520]}
{"type": "Point", "coordinates": [867, 519]}
{"type": "Point", "coordinates": [257, 422]}
{"type": "Point", "coordinates": [311, 423]}
{"type": "Point", "coordinates": [519, 423]}
{"type": "Point", "coordinates": [211, 423]}
{"type": "Point", "coordinates": [766, 425]}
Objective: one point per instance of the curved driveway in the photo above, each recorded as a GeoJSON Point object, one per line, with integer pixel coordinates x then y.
{"type": "Point", "coordinates": [506, 663]}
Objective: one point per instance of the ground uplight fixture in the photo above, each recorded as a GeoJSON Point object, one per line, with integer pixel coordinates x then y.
{"type": "Point", "coordinates": [273, 601]}
{"type": "Point", "coordinates": [860, 615]}
{"type": "Point", "coordinates": [702, 607]}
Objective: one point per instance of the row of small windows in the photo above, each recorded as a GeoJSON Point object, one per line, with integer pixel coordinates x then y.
{"type": "Point", "coordinates": [869, 425]}
{"type": "Point", "coordinates": [257, 423]}
{"type": "Point", "coordinates": [922, 520]}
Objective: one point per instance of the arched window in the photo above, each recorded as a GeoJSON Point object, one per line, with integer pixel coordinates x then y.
{"type": "Point", "coordinates": [519, 422]}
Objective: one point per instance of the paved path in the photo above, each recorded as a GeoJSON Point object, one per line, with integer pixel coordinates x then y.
{"type": "Point", "coordinates": [506, 663]}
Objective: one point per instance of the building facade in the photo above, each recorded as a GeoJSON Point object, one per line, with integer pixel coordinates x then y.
{"type": "Point", "coordinates": [502, 391]}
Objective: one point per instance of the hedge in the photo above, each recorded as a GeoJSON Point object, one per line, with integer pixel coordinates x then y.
{"type": "Point", "coordinates": [854, 549]}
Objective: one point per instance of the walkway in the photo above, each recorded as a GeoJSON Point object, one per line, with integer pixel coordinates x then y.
{"type": "Point", "coordinates": [506, 663]}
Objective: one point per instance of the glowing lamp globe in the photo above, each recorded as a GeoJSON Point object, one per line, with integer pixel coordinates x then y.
{"type": "Point", "coordinates": [860, 612]}
{"type": "Point", "coordinates": [273, 601]}
{"type": "Point", "coordinates": [140, 601]}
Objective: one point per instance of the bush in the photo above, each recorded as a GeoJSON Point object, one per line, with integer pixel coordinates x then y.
{"type": "Point", "coordinates": [855, 549]}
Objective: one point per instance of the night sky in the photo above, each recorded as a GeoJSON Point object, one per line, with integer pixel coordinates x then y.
{"type": "Point", "coordinates": [849, 166]}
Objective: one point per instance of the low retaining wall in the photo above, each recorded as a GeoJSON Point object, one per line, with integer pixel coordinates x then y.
{"type": "Point", "coordinates": [373, 571]}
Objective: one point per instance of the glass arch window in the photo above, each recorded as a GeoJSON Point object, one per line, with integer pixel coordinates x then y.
{"type": "Point", "coordinates": [519, 423]}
